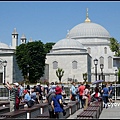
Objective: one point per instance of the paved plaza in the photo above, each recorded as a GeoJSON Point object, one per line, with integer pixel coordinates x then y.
{"type": "Point", "coordinates": [109, 113]}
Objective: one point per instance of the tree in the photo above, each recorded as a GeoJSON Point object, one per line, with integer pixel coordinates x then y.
{"type": "Point", "coordinates": [34, 55]}
{"type": "Point", "coordinates": [118, 76]}
{"type": "Point", "coordinates": [59, 73]}
{"type": "Point", "coordinates": [114, 46]}
{"type": "Point", "coordinates": [48, 46]}
{"type": "Point", "coordinates": [85, 77]}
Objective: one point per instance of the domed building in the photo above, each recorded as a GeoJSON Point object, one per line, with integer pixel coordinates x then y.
{"type": "Point", "coordinates": [75, 54]}
{"type": "Point", "coordinates": [9, 70]}
{"type": "Point", "coordinates": [71, 56]}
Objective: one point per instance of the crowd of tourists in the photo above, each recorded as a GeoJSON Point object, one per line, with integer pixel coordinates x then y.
{"type": "Point", "coordinates": [55, 96]}
{"type": "Point", "coordinates": [85, 95]}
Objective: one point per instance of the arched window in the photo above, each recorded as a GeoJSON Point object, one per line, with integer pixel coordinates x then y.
{"type": "Point", "coordinates": [55, 65]}
{"type": "Point", "coordinates": [105, 50]}
{"type": "Point", "coordinates": [74, 64]}
{"type": "Point", "coordinates": [109, 62]}
{"type": "Point", "coordinates": [89, 50]}
{"type": "Point", "coordinates": [102, 60]}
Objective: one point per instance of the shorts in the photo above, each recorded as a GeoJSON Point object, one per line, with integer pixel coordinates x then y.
{"type": "Point", "coordinates": [110, 96]}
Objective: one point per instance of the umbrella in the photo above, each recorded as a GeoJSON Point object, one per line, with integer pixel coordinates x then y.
{"type": "Point", "coordinates": [98, 81]}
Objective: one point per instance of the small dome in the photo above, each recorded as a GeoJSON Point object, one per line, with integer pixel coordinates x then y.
{"type": "Point", "coordinates": [88, 29]}
{"type": "Point", "coordinates": [4, 46]}
{"type": "Point", "coordinates": [68, 43]}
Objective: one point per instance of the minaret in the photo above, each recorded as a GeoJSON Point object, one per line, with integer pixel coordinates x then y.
{"type": "Point", "coordinates": [30, 40]}
{"type": "Point", "coordinates": [14, 39]}
{"type": "Point", "coordinates": [23, 39]}
{"type": "Point", "coordinates": [87, 18]}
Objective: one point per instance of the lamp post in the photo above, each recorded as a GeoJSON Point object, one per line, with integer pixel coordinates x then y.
{"type": "Point", "coordinates": [4, 63]}
{"type": "Point", "coordinates": [101, 67]}
{"type": "Point", "coordinates": [69, 80]}
{"type": "Point", "coordinates": [115, 84]}
{"type": "Point", "coordinates": [28, 71]}
{"type": "Point", "coordinates": [96, 63]}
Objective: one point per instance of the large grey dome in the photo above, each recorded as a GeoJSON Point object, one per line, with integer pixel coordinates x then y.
{"type": "Point", "coordinates": [88, 29]}
{"type": "Point", "coordinates": [67, 46]}
{"type": "Point", "coordinates": [68, 43]}
{"type": "Point", "coordinates": [4, 46]}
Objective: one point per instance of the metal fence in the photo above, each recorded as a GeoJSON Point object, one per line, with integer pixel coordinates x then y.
{"type": "Point", "coordinates": [5, 93]}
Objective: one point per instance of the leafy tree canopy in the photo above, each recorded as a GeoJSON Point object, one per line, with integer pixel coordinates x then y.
{"type": "Point", "coordinates": [48, 46]}
{"type": "Point", "coordinates": [34, 55]}
{"type": "Point", "coordinates": [114, 46]}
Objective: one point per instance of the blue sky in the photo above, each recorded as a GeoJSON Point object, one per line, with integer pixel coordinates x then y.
{"type": "Point", "coordinates": [49, 21]}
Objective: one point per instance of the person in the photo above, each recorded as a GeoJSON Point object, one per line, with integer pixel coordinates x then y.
{"type": "Point", "coordinates": [33, 95]}
{"type": "Point", "coordinates": [49, 97]}
{"type": "Point", "coordinates": [57, 104]}
{"type": "Point", "coordinates": [96, 94]}
{"type": "Point", "coordinates": [73, 91]}
{"type": "Point", "coordinates": [81, 89]}
{"type": "Point", "coordinates": [77, 94]}
{"type": "Point", "coordinates": [21, 91]}
{"type": "Point", "coordinates": [27, 99]}
{"type": "Point", "coordinates": [86, 96]}
{"type": "Point", "coordinates": [28, 87]}
{"type": "Point", "coordinates": [105, 92]}
{"type": "Point", "coordinates": [111, 92]}
{"type": "Point", "coordinates": [13, 95]}
{"type": "Point", "coordinates": [39, 92]}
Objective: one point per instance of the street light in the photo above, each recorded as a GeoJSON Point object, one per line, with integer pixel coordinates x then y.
{"type": "Point", "coordinates": [4, 64]}
{"type": "Point", "coordinates": [115, 84]}
{"type": "Point", "coordinates": [101, 67]}
{"type": "Point", "coordinates": [28, 71]}
{"type": "Point", "coordinates": [96, 63]}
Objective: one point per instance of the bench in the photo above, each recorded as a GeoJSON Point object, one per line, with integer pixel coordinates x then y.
{"type": "Point", "coordinates": [94, 109]}
{"type": "Point", "coordinates": [4, 110]}
{"type": "Point", "coordinates": [31, 112]}
{"type": "Point", "coordinates": [66, 108]}
{"type": "Point", "coordinates": [88, 114]}
{"type": "Point", "coordinates": [44, 115]}
{"type": "Point", "coordinates": [3, 118]}
{"type": "Point", "coordinates": [43, 107]}
{"type": "Point", "coordinates": [77, 104]}
{"type": "Point", "coordinates": [97, 104]}
{"type": "Point", "coordinates": [72, 107]}
{"type": "Point", "coordinates": [84, 118]}
{"type": "Point", "coordinates": [21, 105]}
{"type": "Point", "coordinates": [14, 114]}
{"type": "Point", "coordinates": [6, 103]}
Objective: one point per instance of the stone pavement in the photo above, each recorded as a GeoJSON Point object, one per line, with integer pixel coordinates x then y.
{"type": "Point", "coordinates": [112, 112]}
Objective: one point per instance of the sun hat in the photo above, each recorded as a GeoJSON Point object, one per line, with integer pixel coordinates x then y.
{"type": "Point", "coordinates": [25, 91]}
{"type": "Point", "coordinates": [58, 90]}
{"type": "Point", "coordinates": [38, 84]}
{"type": "Point", "coordinates": [16, 84]}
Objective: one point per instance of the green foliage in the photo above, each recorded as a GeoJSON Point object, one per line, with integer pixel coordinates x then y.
{"type": "Point", "coordinates": [34, 55]}
{"type": "Point", "coordinates": [48, 46]}
{"type": "Point", "coordinates": [118, 76]}
{"type": "Point", "coordinates": [114, 46]}
{"type": "Point", "coordinates": [85, 77]}
{"type": "Point", "coordinates": [59, 73]}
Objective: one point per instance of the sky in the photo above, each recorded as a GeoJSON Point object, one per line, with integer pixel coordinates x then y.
{"type": "Point", "coordinates": [49, 21]}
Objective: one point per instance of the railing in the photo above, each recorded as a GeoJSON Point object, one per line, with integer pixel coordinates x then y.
{"type": "Point", "coordinates": [4, 92]}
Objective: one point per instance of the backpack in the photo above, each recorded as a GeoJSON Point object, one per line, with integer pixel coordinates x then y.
{"type": "Point", "coordinates": [38, 89]}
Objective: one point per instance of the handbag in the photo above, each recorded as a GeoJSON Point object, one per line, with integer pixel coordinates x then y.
{"type": "Point", "coordinates": [30, 103]}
